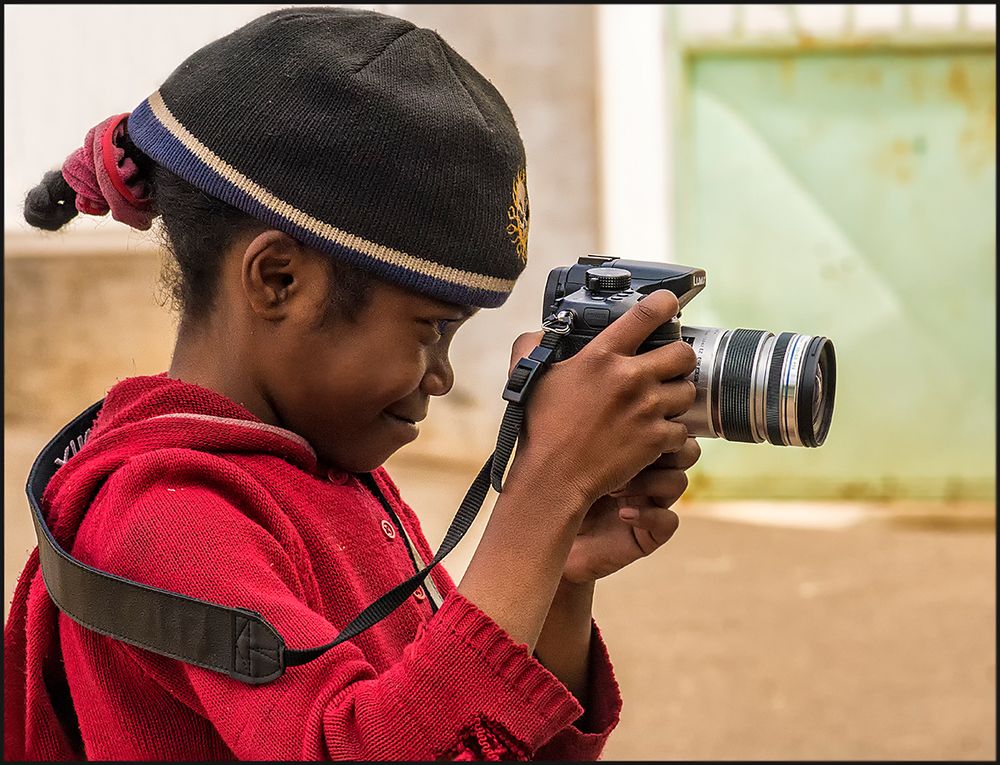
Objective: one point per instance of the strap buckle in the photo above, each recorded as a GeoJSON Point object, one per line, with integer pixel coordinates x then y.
{"type": "Point", "coordinates": [524, 374]}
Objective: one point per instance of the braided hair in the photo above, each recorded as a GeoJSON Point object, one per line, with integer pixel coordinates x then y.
{"type": "Point", "coordinates": [197, 230]}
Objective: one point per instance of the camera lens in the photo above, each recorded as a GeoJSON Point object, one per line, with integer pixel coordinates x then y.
{"type": "Point", "coordinates": [754, 387]}
{"type": "Point", "coordinates": [819, 400]}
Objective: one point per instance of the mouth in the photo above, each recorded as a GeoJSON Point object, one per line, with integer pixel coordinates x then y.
{"type": "Point", "coordinates": [401, 421]}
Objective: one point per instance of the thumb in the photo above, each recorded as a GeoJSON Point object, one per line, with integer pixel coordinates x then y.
{"type": "Point", "coordinates": [630, 330]}
{"type": "Point", "coordinates": [524, 345]}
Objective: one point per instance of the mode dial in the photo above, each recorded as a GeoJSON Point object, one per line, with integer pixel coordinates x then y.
{"type": "Point", "coordinates": [607, 279]}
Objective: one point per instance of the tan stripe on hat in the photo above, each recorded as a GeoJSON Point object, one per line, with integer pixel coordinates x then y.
{"type": "Point", "coordinates": [305, 221]}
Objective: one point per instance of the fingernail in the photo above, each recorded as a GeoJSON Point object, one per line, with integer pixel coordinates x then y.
{"type": "Point", "coordinates": [628, 513]}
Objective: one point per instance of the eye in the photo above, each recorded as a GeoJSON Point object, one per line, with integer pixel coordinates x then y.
{"type": "Point", "coordinates": [440, 326]}
{"type": "Point", "coordinates": [443, 324]}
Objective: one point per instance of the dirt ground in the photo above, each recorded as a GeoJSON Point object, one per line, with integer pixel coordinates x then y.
{"type": "Point", "coordinates": [866, 634]}
{"type": "Point", "coordinates": [833, 632]}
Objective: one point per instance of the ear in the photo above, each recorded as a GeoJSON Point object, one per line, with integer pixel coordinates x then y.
{"type": "Point", "coordinates": [279, 276]}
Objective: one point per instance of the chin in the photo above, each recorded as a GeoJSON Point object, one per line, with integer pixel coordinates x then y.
{"type": "Point", "coordinates": [358, 462]}
{"type": "Point", "coordinates": [362, 450]}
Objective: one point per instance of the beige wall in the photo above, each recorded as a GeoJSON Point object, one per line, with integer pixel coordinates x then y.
{"type": "Point", "coordinates": [74, 323]}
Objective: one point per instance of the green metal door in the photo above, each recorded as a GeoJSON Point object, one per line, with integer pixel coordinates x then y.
{"type": "Point", "coordinates": [852, 193]}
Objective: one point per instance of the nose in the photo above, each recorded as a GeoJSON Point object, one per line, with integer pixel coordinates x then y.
{"type": "Point", "coordinates": [440, 377]}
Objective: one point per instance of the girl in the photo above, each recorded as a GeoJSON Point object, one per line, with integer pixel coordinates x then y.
{"type": "Point", "coordinates": [341, 192]}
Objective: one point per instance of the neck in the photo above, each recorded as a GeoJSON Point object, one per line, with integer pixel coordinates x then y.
{"type": "Point", "coordinates": [205, 356]}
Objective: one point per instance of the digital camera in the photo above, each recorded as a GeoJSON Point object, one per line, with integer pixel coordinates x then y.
{"type": "Point", "coordinates": [752, 386]}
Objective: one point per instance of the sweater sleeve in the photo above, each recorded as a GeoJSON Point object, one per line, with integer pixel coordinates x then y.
{"type": "Point", "coordinates": [586, 737]}
{"type": "Point", "coordinates": [463, 689]}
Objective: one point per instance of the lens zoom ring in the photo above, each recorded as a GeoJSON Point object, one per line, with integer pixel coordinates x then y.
{"type": "Point", "coordinates": [737, 380]}
{"type": "Point", "coordinates": [772, 405]}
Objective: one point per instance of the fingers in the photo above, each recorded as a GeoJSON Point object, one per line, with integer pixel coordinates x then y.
{"type": "Point", "coordinates": [683, 458]}
{"type": "Point", "coordinates": [627, 333]}
{"type": "Point", "coordinates": [523, 345]}
{"type": "Point", "coordinates": [664, 480]}
{"type": "Point", "coordinates": [652, 525]}
{"type": "Point", "coordinates": [661, 485]}
{"type": "Point", "coordinates": [672, 437]}
{"type": "Point", "coordinates": [669, 362]}
{"type": "Point", "coordinates": [678, 396]}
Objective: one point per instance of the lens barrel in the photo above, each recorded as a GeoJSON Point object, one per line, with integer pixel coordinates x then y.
{"type": "Point", "coordinates": [754, 387]}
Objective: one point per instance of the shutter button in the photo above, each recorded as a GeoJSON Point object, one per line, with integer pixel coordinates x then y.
{"type": "Point", "coordinates": [388, 530]}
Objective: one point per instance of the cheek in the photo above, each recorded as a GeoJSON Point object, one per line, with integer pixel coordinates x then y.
{"type": "Point", "coordinates": [404, 369]}
{"type": "Point", "coordinates": [379, 379]}
{"type": "Point", "coordinates": [347, 383]}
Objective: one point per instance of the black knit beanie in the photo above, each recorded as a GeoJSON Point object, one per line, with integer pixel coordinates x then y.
{"type": "Point", "coordinates": [359, 134]}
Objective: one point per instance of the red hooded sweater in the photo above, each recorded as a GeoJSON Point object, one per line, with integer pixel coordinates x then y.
{"type": "Point", "coordinates": [183, 489]}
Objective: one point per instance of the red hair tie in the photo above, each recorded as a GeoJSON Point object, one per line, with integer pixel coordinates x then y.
{"type": "Point", "coordinates": [104, 178]}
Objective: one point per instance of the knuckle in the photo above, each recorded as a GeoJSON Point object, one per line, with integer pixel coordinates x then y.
{"type": "Point", "coordinates": [670, 486]}
{"type": "Point", "coordinates": [597, 356]}
{"type": "Point", "coordinates": [522, 346]}
{"type": "Point", "coordinates": [690, 394]}
{"type": "Point", "coordinates": [671, 362]}
{"type": "Point", "coordinates": [688, 358]}
{"type": "Point", "coordinates": [637, 486]}
{"type": "Point", "coordinates": [628, 370]}
{"type": "Point", "coordinates": [666, 525]}
{"type": "Point", "coordinates": [651, 404]}
{"type": "Point", "coordinates": [653, 441]}
{"type": "Point", "coordinates": [682, 359]}
{"type": "Point", "coordinates": [524, 338]}
{"type": "Point", "coordinates": [693, 453]}
{"type": "Point", "coordinates": [666, 299]}
{"type": "Point", "coordinates": [671, 520]}
{"type": "Point", "coordinates": [645, 312]}
{"type": "Point", "coordinates": [677, 397]}
{"type": "Point", "coordinates": [681, 482]}
{"type": "Point", "coordinates": [674, 437]}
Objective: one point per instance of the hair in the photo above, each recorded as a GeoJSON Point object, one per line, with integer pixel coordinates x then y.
{"type": "Point", "coordinates": [198, 229]}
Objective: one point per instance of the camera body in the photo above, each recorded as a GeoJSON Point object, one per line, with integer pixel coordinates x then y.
{"type": "Point", "coordinates": [751, 385]}
{"type": "Point", "coordinates": [600, 289]}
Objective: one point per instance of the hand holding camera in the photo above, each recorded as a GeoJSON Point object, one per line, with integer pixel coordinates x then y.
{"type": "Point", "coordinates": [752, 385]}
{"type": "Point", "coordinates": [617, 380]}
{"type": "Point", "coordinates": [598, 418]}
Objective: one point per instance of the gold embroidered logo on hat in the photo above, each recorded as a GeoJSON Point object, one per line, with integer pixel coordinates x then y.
{"type": "Point", "coordinates": [517, 213]}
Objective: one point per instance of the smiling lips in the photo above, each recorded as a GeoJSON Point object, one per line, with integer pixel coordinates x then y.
{"type": "Point", "coordinates": [410, 420]}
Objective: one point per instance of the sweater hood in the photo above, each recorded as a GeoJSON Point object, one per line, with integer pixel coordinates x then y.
{"type": "Point", "coordinates": [139, 415]}
{"type": "Point", "coordinates": [142, 414]}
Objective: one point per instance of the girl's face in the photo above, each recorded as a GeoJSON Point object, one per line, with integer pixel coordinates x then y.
{"type": "Point", "coordinates": [358, 391]}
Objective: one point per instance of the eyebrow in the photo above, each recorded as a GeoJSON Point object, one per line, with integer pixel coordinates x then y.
{"type": "Point", "coordinates": [465, 310]}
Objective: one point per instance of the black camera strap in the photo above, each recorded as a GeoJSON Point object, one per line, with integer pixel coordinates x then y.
{"type": "Point", "coordinates": [237, 641]}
